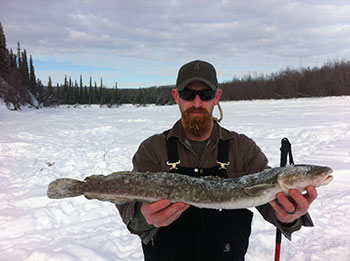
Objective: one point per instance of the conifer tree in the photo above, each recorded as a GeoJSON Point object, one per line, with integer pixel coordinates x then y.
{"type": "Point", "coordinates": [102, 93]}
{"type": "Point", "coordinates": [13, 62]}
{"type": "Point", "coordinates": [76, 96]}
{"type": "Point", "coordinates": [25, 68]}
{"type": "Point", "coordinates": [19, 57]}
{"type": "Point", "coordinates": [57, 95]}
{"type": "Point", "coordinates": [90, 91]}
{"type": "Point", "coordinates": [85, 95]}
{"type": "Point", "coordinates": [65, 93]}
{"type": "Point", "coordinates": [49, 87]}
{"type": "Point", "coordinates": [32, 77]}
{"type": "Point", "coordinates": [4, 54]}
{"type": "Point", "coordinates": [40, 92]}
{"type": "Point", "coordinates": [70, 91]}
{"type": "Point", "coordinates": [96, 95]}
{"type": "Point", "coordinates": [81, 91]}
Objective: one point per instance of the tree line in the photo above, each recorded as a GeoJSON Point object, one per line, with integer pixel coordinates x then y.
{"type": "Point", "coordinates": [331, 79]}
{"type": "Point", "coordinates": [78, 93]}
{"type": "Point", "coordinates": [19, 85]}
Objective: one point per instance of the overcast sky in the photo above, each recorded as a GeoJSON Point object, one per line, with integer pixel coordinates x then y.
{"type": "Point", "coordinates": [143, 43]}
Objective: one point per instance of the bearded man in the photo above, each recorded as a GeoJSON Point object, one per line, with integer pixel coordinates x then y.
{"type": "Point", "coordinates": [198, 146]}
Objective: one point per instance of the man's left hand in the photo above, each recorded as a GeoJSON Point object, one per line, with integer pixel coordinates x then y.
{"type": "Point", "coordinates": [288, 209]}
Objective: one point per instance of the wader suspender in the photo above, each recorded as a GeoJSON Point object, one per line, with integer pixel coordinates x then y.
{"type": "Point", "coordinates": [202, 234]}
{"type": "Point", "coordinates": [173, 156]}
{"type": "Point", "coordinates": [286, 148]}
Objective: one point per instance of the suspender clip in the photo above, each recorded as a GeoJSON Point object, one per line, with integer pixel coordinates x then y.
{"type": "Point", "coordinates": [223, 165]}
{"type": "Point", "coordinates": [173, 164]}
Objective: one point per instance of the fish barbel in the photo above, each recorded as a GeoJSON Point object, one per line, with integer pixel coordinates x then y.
{"type": "Point", "coordinates": [204, 192]}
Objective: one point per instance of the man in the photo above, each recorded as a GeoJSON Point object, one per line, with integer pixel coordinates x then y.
{"type": "Point", "coordinates": [198, 146]}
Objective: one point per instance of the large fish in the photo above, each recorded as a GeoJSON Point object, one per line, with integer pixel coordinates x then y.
{"type": "Point", "coordinates": [205, 192]}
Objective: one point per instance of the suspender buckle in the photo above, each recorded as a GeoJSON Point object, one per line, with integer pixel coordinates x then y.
{"type": "Point", "coordinates": [223, 165]}
{"type": "Point", "coordinates": [173, 164]}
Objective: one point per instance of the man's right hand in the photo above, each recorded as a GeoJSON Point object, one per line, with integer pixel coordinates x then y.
{"type": "Point", "coordinates": [162, 213]}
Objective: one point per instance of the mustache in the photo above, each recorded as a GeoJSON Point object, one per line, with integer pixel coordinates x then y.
{"type": "Point", "coordinates": [192, 110]}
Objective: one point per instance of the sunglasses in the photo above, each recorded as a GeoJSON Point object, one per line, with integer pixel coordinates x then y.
{"type": "Point", "coordinates": [190, 95]}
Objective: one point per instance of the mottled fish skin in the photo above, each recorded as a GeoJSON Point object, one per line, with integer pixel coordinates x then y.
{"type": "Point", "coordinates": [205, 192]}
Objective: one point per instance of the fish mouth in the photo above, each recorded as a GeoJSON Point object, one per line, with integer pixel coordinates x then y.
{"type": "Point", "coordinates": [323, 178]}
{"type": "Point", "coordinates": [327, 177]}
{"type": "Point", "coordinates": [320, 176]}
{"type": "Point", "coordinates": [327, 180]}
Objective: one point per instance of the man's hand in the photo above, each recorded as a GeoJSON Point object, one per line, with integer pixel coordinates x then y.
{"type": "Point", "coordinates": [162, 213]}
{"type": "Point", "coordinates": [288, 209]}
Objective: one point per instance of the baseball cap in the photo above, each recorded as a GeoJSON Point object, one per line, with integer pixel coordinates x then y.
{"type": "Point", "coordinates": [197, 71]}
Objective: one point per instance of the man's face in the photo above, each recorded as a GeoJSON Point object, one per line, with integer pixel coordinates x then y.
{"type": "Point", "coordinates": [197, 114]}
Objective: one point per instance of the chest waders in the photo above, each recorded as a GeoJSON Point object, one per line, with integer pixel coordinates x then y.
{"type": "Point", "coordinates": [202, 234]}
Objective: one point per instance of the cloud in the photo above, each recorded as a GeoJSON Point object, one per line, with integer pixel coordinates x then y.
{"type": "Point", "coordinates": [239, 36]}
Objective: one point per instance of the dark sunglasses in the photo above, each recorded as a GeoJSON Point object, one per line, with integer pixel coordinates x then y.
{"type": "Point", "coordinates": [190, 95]}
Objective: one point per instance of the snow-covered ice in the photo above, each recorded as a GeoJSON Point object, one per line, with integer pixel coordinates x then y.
{"type": "Point", "coordinates": [38, 146]}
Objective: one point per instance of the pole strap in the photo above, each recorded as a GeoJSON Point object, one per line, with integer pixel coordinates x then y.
{"type": "Point", "coordinates": [286, 149]}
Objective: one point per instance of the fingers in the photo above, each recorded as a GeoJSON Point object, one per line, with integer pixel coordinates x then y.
{"type": "Point", "coordinates": [154, 207]}
{"type": "Point", "coordinates": [286, 203]}
{"type": "Point", "coordinates": [277, 207]}
{"type": "Point", "coordinates": [163, 212]}
{"type": "Point", "coordinates": [291, 208]}
{"type": "Point", "coordinates": [311, 194]}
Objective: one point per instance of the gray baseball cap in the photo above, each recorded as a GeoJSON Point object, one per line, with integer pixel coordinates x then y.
{"type": "Point", "coordinates": [197, 71]}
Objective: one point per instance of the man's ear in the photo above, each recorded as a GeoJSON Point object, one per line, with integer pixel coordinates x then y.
{"type": "Point", "coordinates": [176, 95]}
{"type": "Point", "coordinates": [218, 96]}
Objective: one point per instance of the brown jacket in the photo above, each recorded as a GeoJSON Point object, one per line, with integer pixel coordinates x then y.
{"type": "Point", "coordinates": [245, 157]}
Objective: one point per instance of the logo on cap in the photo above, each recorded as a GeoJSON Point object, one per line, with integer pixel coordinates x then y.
{"type": "Point", "coordinates": [196, 67]}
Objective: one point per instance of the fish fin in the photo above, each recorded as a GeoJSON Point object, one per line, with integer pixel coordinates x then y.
{"type": "Point", "coordinates": [94, 177]}
{"type": "Point", "coordinates": [257, 190]}
{"type": "Point", "coordinates": [64, 188]}
{"type": "Point", "coordinates": [106, 197]}
{"type": "Point", "coordinates": [122, 200]}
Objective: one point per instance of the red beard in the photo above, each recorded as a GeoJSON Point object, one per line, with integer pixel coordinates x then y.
{"type": "Point", "coordinates": [196, 126]}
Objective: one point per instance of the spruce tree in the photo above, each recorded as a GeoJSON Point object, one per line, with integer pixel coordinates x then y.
{"type": "Point", "coordinates": [4, 54]}
{"type": "Point", "coordinates": [49, 87]}
{"type": "Point", "coordinates": [48, 94]}
{"type": "Point", "coordinates": [57, 95]}
{"type": "Point", "coordinates": [76, 96]}
{"type": "Point", "coordinates": [116, 94]}
{"type": "Point", "coordinates": [86, 95]}
{"type": "Point", "coordinates": [102, 94]}
{"type": "Point", "coordinates": [65, 93]}
{"type": "Point", "coordinates": [32, 77]}
{"type": "Point", "coordinates": [90, 91]}
{"type": "Point", "coordinates": [96, 95]}
{"type": "Point", "coordinates": [25, 68]}
{"type": "Point", "coordinates": [13, 60]}
{"type": "Point", "coordinates": [19, 57]}
{"type": "Point", "coordinates": [81, 91]}
{"type": "Point", "coordinates": [70, 91]}
{"type": "Point", "coordinates": [40, 92]}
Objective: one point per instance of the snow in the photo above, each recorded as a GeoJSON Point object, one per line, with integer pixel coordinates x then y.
{"type": "Point", "coordinates": [38, 146]}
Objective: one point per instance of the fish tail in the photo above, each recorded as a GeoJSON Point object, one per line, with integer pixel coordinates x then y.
{"type": "Point", "coordinates": [64, 188]}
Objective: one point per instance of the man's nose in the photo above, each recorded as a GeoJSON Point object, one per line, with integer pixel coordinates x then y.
{"type": "Point", "coordinates": [197, 102]}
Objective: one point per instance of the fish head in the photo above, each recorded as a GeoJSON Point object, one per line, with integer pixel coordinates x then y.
{"type": "Point", "coordinates": [300, 176]}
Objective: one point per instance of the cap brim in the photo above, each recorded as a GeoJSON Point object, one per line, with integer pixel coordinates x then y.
{"type": "Point", "coordinates": [183, 85]}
